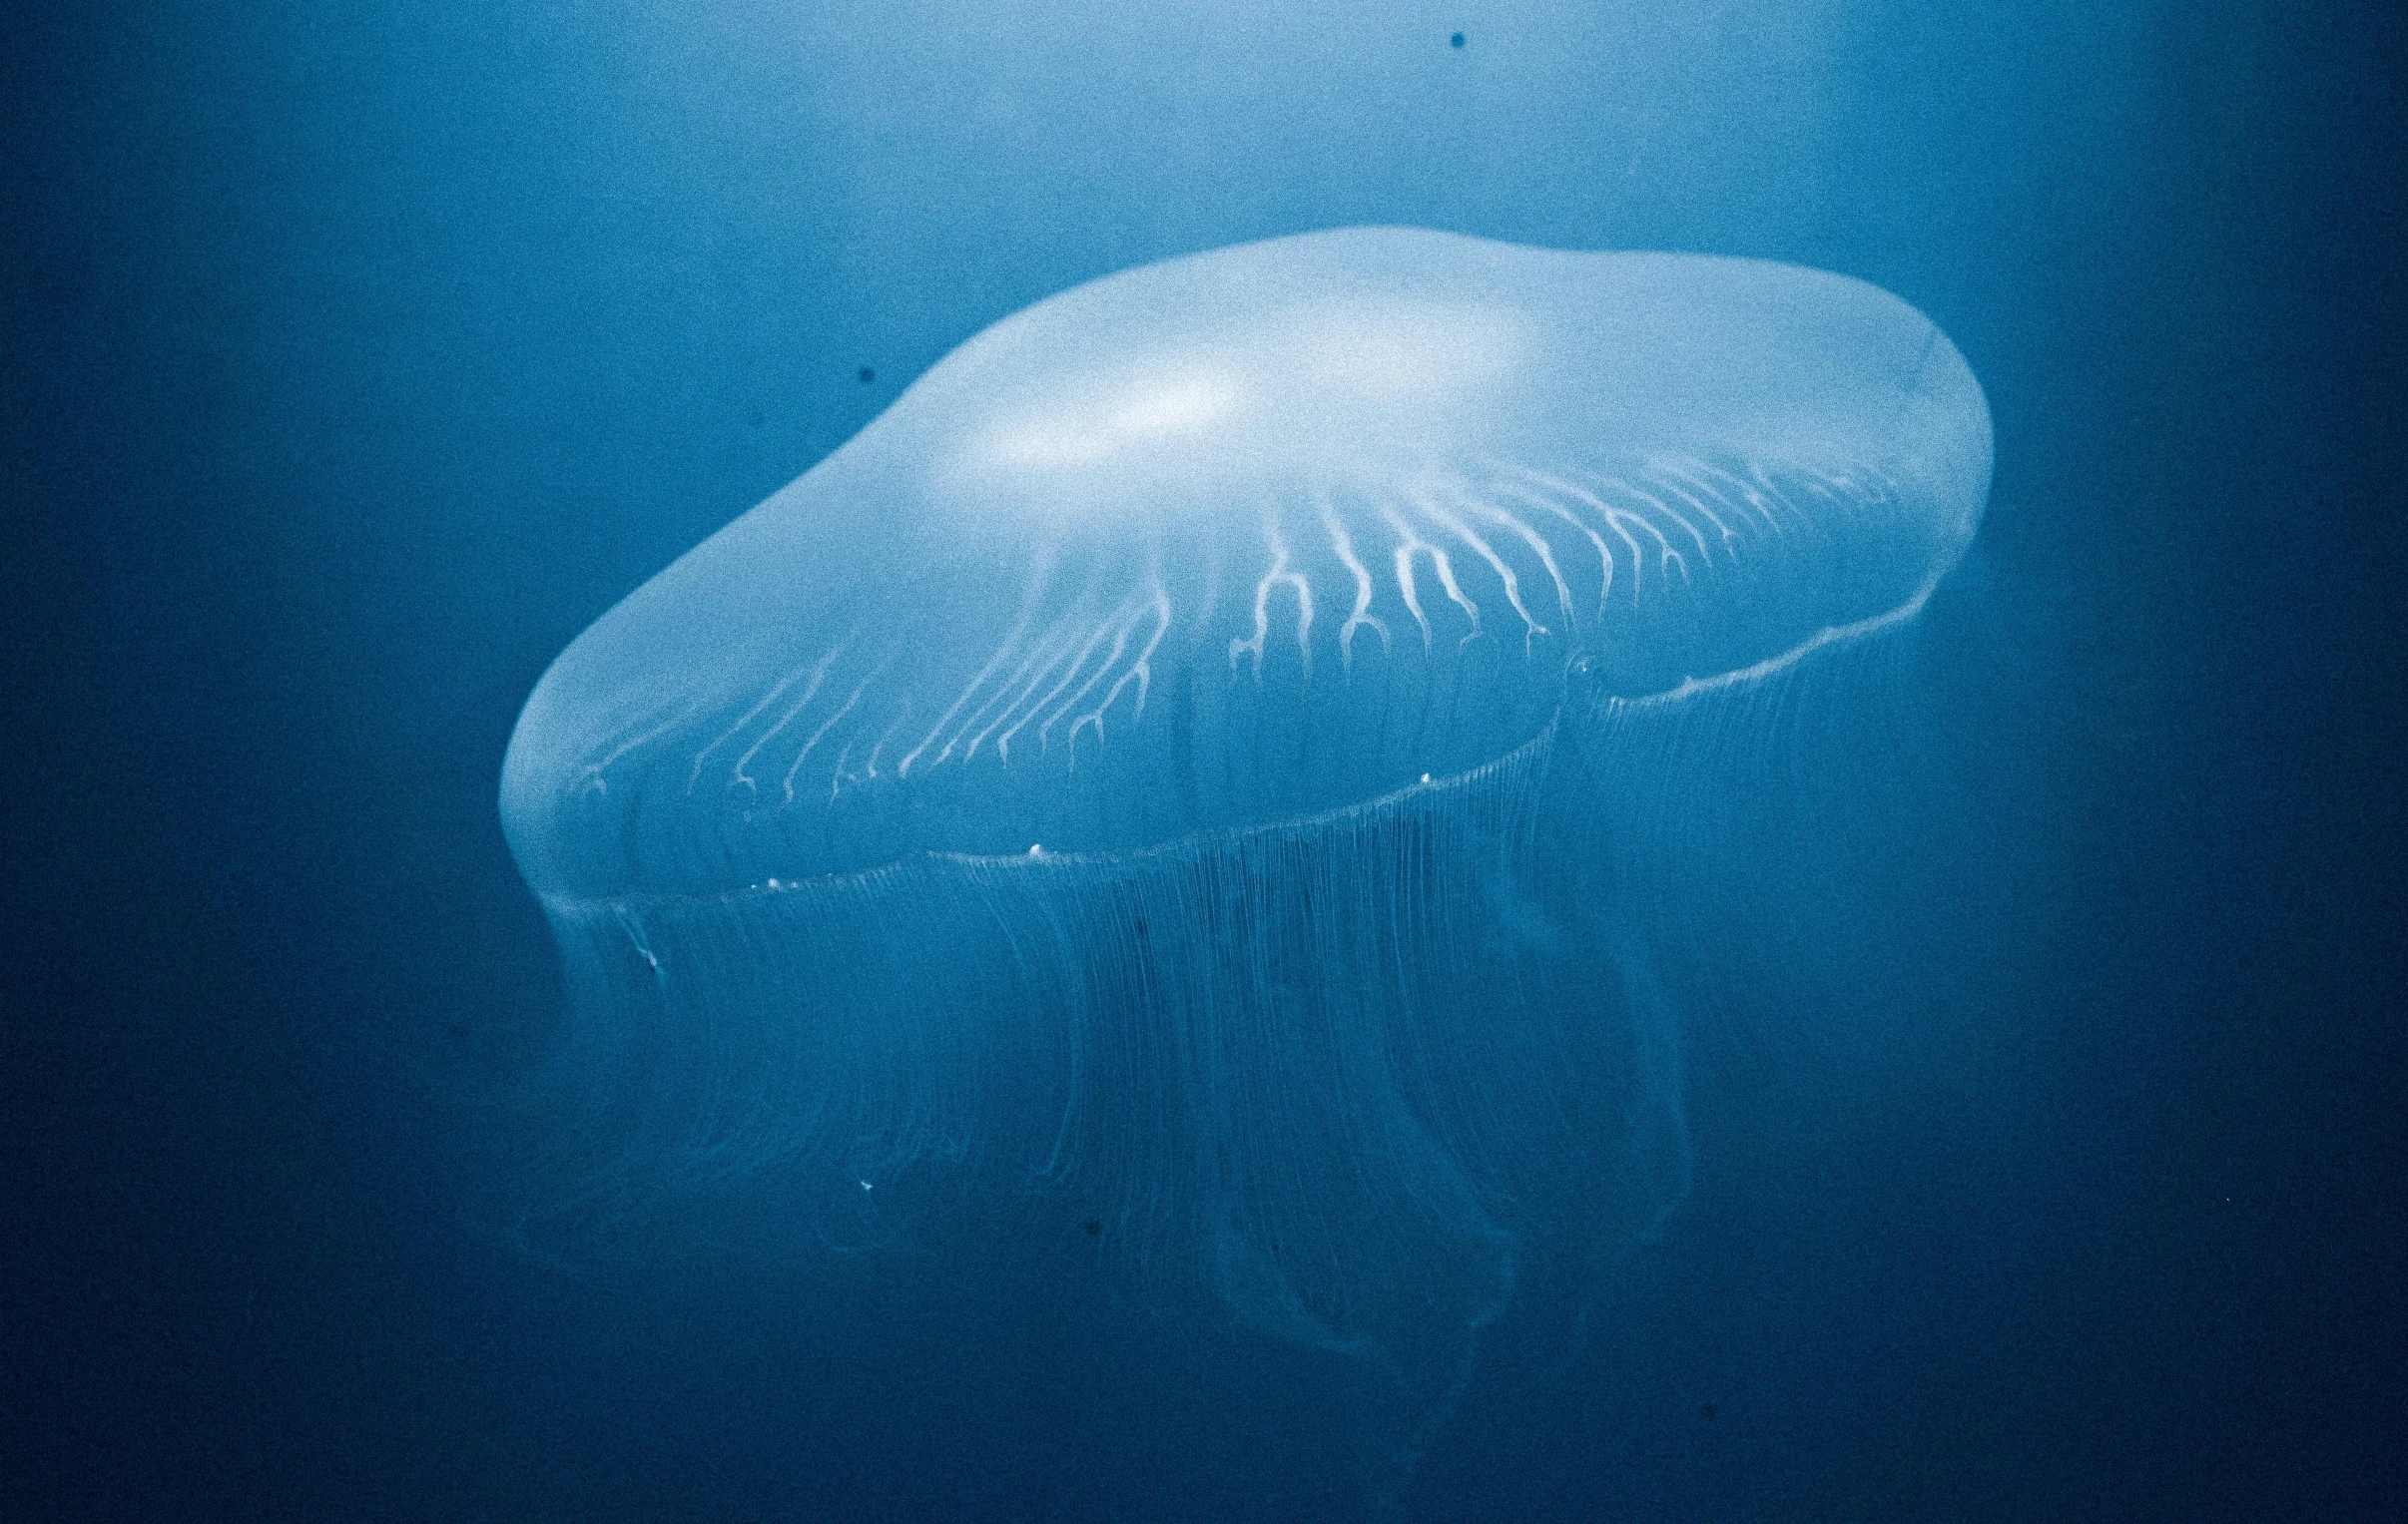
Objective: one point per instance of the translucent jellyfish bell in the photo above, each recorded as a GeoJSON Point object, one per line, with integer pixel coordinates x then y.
{"type": "Point", "coordinates": [1247, 536]}
{"type": "Point", "coordinates": [1180, 757]}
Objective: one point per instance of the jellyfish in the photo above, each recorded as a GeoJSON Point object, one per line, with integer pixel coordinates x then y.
{"type": "Point", "coordinates": [1244, 756]}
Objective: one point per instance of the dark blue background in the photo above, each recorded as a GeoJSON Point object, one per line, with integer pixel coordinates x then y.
{"type": "Point", "coordinates": [356, 358]}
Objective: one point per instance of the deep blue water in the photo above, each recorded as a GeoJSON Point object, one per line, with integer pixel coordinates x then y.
{"type": "Point", "coordinates": [358, 359]}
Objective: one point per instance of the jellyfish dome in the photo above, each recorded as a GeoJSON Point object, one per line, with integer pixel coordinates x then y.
{"type": "Point", "coordinates": [1182, 759]}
